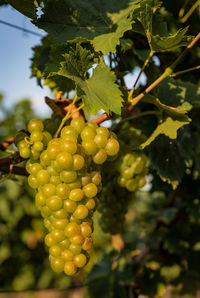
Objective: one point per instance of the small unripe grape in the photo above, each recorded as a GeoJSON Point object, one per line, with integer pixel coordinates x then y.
{"type": "Point", "coordinates": [75, 248]}
{"type": "Point", "coordinates": [25, 152]}
{"type": "Point", "coordinates": [53, 150]}
{"type": "Point", "coordinates": [45, 211]}
{"type": "Point", "coordinates": [112, 147]}
{"type": "Point", "coordinates": [96, 178]}
{"type": "Point", "coordinates": [42, 177]}
{"type": "Point", "coordinates": [57, 264]}
{"type": "Point", "coordinates": [90, 204]}
{"type": "Point", "coordinates": [52, 171]}
{"type": "Point", "coordinates": [60, 214]}
{"type": "Point", "coordinates": [38, 146]}
{"type": "Point", "coordinates": [58, 235]}
{"type": "Point", "coordinates": [63, 191]}
{"type": "Point", "coordinates": [49, 189]}
{"type": "Point", "coordinates": [33, 182]}
{"type": "Point", "coordinates": [78, 124]}
{"type": "Point", "coordinates": [77, 239]}
{"type": "Point", "coordinates": [35, 125]}
{"type": "Point", "coordinates": [55, 251]}
{"type": "Point", "coordinates": [68, 146]}
{"type": "Point", "coordinates": [90, 190]}
{"type": "Point", "coordinates": [102, 131]}
{"type": "Point", "coordinates": [34, 169]}
{"type": "Point", "coordinates": [36, 135]}
{"type": "Point", "coordinates": [100, 140]}
{"type": "Point", "coordinates": [59, 224]}
{"type": "Point", "coordinates": [22, 144]}
{"type": "Point", "coordinates": [88, 133]}
{"type": "Point", "coordinates": [64, 160]}
{"type": "Point", "coordinates": [46, 137]}
{"type": "Point", "coordinates": [35, 155]}
{"type": "Point", "coordinates": [40, 199]}
{"type": "Point", "coordinates": [78, 162]}
{"type": "Point", "coordinates": [44, 158]}
{"type": "Point", "coordinates": [55, 180]}
{"type": "Point", "coordinates": [70, 268]}
{"type": "Point", "coordinates": [90, 147]}
{"type": "Point", "coordinates": [49, 241]}
{"type": "Point", "coordinates": [100, 157]}
{"type": "Point", "coordinates": [68, 131]}
{"type": "Point", "coordinates": [75, 219]}
{"type": "Point", "coordinates": [87, 243]}
{"type": "Point", "coordinates": [76, 194]}
{"type": "Point", "coordinates": [68, 176]}
{"type": "Point", "coordinates": [54, 203]}
{"type": "Point", "coordinates": [65, 243]}
{"type": "Point", "coordinates": [131, 185]}
{"type": "Point", "coordinates": [72, 229]}
{"type": "Point", "coordinates": [67, 255]}
{"type": "Point", "coordinates": [69, 206]}
{"type": "Point", "coordinates": [81, 212]}
{"type": "Point", "coordinates": [80, 260]}
{"type": "Point", "coordinates": [86, 230]}
{"type": "Point", "coordinates": [75, 184]}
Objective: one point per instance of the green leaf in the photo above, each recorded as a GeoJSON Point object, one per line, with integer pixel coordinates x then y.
{"type": "Point", "coordinates": [167, 127]}
{"type": "Point", "coordinates": [182, 95]}
{"type": "Point", "coordinates": [168, 156]}
{"type": "Point", "coordinates": [171, 111]}
{"type": "Point", "coordinates": [76, 63]}
{"type": "Point", "coordinates": [26, 7]}
{"type": "Point", "coordinates": [169, 43]}
{"type": "Point", "coordinates": [156, 30]}
{"type": "Point", "coordinates": [99, 91]}
{"type": "Point", "coordinates": [101, 22]}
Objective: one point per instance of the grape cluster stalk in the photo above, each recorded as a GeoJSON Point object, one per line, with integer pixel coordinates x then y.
{"type": "Point", "coordinates": [62, 170]}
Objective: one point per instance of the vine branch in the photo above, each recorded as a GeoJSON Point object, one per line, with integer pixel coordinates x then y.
{"type": "Point", "coordinates": [4, 145]}
{"type": "Point", "coordinates": [184, 71]}
{"type": "Point", "coordinates": [168, 71]}
{"type": "Point", "coordinates": [189, 13]}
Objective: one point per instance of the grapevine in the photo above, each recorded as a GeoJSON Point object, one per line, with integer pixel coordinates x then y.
{"type": "Point", "coordinates": [62, 171]}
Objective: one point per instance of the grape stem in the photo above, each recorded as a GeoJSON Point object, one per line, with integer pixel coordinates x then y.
{"type": "Point", "coordinates": [189, 13]}
{"type": "Point", "coordinates": [168, 72]}
{"type": "Point", "coordinates": [184, 71]}
{"type": "Point", "coordinates": [7, 165]}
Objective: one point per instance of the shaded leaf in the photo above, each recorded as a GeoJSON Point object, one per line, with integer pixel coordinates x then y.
{"type": "Point", "coordinates": [168, 127]}
{"type": "Point", "coordinates": [26, 7]}
{"type": "Point", "coordinates": [102, 22]}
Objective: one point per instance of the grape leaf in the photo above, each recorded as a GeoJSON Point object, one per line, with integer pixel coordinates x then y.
{"type": "Point", "coordinates": [155, 28]}
{"type": "Point", "coordinates": [99, 91]}
{"type": "Point", "coordinates": [101, 22]}
{"type": "Point", "coordinates": [26, 7]}
{"type": "Point", "coordinates": [168, 156]}
{"type": "Point", "coordinates": [167, 127]}
{"type": "Point", "coordinates": [178, 113]}
{"type": "Point", "coordinates": [176, 93]}
{"type": "Point", "coordinates": [171, 42]}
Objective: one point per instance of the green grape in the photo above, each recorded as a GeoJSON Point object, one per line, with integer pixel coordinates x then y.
{"type": "Point", "coordinates": [90, 190]}
{"type": "Point", "coordinates": [33, 182]}
{"type": "Point", "coordinates": [69, 206]}
{"type": "Point", "coordinates": [63, 190]}
{"type": "Point", "coordinates": [55, 251]}
{"type": "Point", "coordinates": [101, 140]}
{"type": "Point", "coordinates": [100, 157]}
{"type": "Point", "coordinates": [81, 212]}
{"type": "Point", "coordinates": [67, 255]}
{"type": "Point", "coordinates": [57, 264]}
{"type": "Point", "coordinates": [102, 131]}
{"type": "Point", "coordinates": [76, 194]}
{"type": "Point", "coordinates": [77, 239]}
{"type": "Point", "coordinates": [78, 162]}
{"type": "Point", "coordinates": [112, 147]}
{"type": "Point", "coordinates": [54, 203]}
{"type": "Point", "coordinates": [55, 180]}
{"type": "Point", "coordinates": [34, 168]}
{"type": "Point", "coordinates": [25, 152]}
{"type": "Point", "coordinates": [69, 146]}
{"type": "Point", "coordinates": [72, 229]}
{"type": "Point", "coordinates": [35, 125]}
{"type": "Point", "coordinates": [38, 146]}
{"type": "Point", "coordinates": [36, 135]}
{"type": "Point", "coordinates": [64, 160]}
{"type": "Point", "coordinates": [88, 133]}
{"type": "Point", "coordinates": [78, 124]}
{"type": "Point", "coordinates": [90, 147]}
{"type": "Point", "coordinates": [70, 268]}
{"type": "Point", "coordinates": [80, 260]}
{"type": "Point", "coordinates": [49, 189]}
{"type": "Point", "coordinates": [42, 177]}
{"type": "Point", "coordinates": [68, 176]}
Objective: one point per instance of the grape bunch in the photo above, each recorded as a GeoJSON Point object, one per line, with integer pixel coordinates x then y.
{"type": "Point", "coordinates": [133, 168]}
{"type": "Point", "coordinates": [32, 146]}
{"type": "Point", "coordinates": [67, 185]}
{"type": "Point", "coordinates": [113, 205]}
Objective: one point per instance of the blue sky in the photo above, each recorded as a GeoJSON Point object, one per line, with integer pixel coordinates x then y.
{"type": "Point", "coordinates": [15, 54]}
